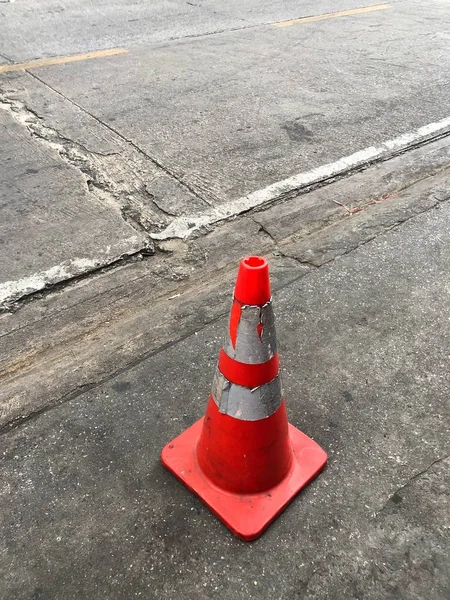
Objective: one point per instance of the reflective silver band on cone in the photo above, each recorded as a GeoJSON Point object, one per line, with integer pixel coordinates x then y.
{"type": "Point", "coordinates": [243, 403]}
{"type": "Point", "coordinates": [255, 336]}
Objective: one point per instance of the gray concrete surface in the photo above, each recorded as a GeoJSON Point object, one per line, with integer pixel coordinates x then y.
{"type": "Point", "coordinates": [51, 228]}
{"type": "Point", "coordinates": [178, 126]}
{"type": "Point", "coordinates": [234, 112]}
{"type": "Point", "coordinates": [88, 511]}
{"type": "Point", "coordinates": [212, 101]}
{"type": "Point", "coordinates": [36, 28]}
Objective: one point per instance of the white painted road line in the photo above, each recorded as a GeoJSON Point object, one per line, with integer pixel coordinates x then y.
{"type": "Point", "coordinates": [183, 227]}
{"type": "Point", "coordinates": [11, 291]}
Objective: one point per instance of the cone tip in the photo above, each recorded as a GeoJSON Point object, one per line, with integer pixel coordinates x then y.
{"type": "Point", "coordinates": [252, 283]}
{"type": "Point", "coordinates": [255, 262]}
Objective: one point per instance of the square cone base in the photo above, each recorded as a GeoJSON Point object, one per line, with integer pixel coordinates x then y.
{"type": "Point", "coordinates": [247, 515]}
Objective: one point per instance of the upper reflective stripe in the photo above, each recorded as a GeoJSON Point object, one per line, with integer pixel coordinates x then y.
{"type": "Point", "coordinates": [243, 403]}
{"type": "Point", "coordinates": [252, 333]}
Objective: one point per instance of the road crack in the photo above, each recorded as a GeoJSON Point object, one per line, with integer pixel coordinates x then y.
{"type": "Point", "coordinates": [411, 480]}
{"type": "Point", "coordinates": [91, 164]}
{"type": "Point", "coordinates": [152, 159]}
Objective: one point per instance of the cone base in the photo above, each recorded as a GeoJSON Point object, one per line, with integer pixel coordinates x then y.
{"type": "Point", "coordinates": [247, 515]}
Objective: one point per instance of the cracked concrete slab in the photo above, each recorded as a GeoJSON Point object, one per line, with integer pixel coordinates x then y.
{"type": "Point", "coordinates": [88, 511]}
{"type": "Point", "coordinates": [233, 113]}
{"type": "Point", "coordinates": [146, 193]}
{"type": "Point", "coordinates": [357, 229]}
{"type": "Point", "coordinates": [380, 184]}
{"type": "Point", "coordinates": [174, 166]}
{"type": "Point", "coordinates": [189, 276]}
{"type": "Point", "coordinates": [51, 227]}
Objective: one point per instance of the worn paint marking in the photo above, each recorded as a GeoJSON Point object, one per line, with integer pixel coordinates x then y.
{"type": "Point", "coordinates": [336, 15]}
{"type": "Point", "coordinates": [61, 60]}
{"type": "Point", "coordinates": [182, 227]}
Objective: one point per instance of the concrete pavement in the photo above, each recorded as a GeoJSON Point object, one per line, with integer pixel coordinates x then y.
{"type": "Point", "coordinates": [81, 234]}
{"type": "Point", "coordinates": [232, 113]}
{"type": "Point", "coordinates": [110, 324]}
{"type": "Point", "coordinates": [56, 342]}
{"type": "Point", "coordinates": [177, 127]}
{"type": "Point", "coordinates": [56, 28]}
{"type": "Point", "coordinates": [88, 511]}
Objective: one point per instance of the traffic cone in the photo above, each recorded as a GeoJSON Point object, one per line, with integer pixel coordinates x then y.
{"type": "Point", "coordinates": [243, 458]}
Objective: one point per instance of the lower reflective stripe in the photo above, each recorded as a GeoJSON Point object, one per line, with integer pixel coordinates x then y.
{"type": "Point", "coordinates": [244, 403]}
{"type": "Point", "coordinates": [248, 375]}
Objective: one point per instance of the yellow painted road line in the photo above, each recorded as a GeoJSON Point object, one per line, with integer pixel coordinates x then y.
{"type": "Point", "coordinates": [336, 15]}
{"type": "Point", "coordinates": [61, 60]}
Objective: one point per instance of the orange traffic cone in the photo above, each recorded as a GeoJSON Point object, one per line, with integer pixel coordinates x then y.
{"type": "Point", "coordinates": [244, 460]}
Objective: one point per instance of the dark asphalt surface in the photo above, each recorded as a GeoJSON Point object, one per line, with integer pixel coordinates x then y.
{"type": "Point", "coordinates": [89, 512]}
